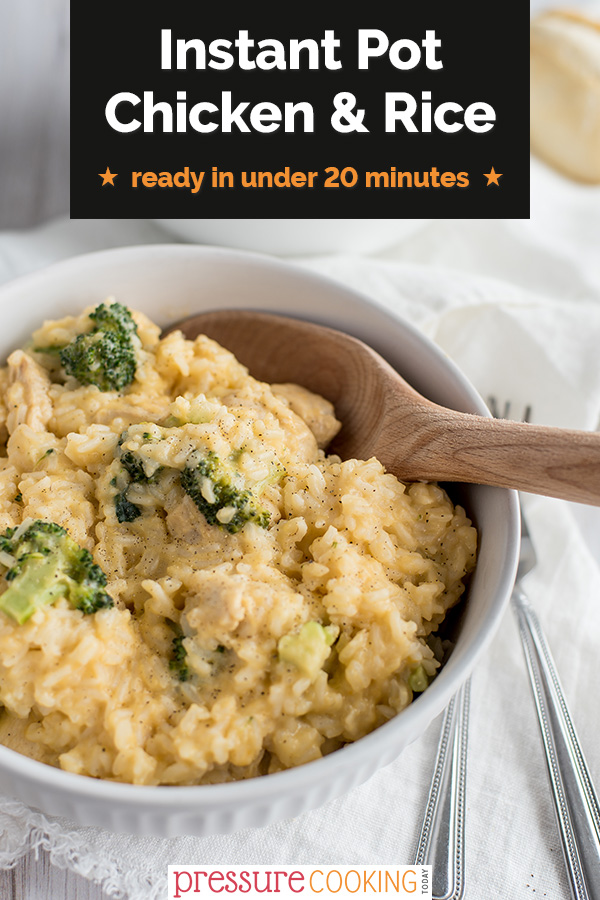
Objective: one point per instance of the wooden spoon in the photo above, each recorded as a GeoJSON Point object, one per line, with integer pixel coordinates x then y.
{"type": "Point", "coordinates": [383, 416]}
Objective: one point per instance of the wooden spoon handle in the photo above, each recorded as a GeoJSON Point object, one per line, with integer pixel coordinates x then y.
{"type": "Point", "coordinates": [555, 462]}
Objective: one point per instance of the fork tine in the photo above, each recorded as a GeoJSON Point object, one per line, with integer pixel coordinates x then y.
{"type": "Point", "coordinates": [494, 408]}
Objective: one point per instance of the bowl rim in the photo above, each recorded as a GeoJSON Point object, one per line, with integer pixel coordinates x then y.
{"type": "Point", "coordinates": [413, 718]}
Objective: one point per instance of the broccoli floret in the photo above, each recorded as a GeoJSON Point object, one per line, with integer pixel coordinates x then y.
{"type": "Point", "coordinates": [198, 662]}
{"type": "Point", "coordinates": [309, 648]}
{"type": "Point", "coordinates": [215, 486]}
{"type": "Point", "coordinates": [6, 540]}
{"type": "Point", "coordinates": [418, 680]}
{"type": "Point", "coordinates": [132, 463]}
{"type": "Point", "coordinates": [115, 318]}
{"type": "Point", "coordinates": [46, 563]}
{"type": "Point", "coordinates": [178, 662]}
{"type": "Point", "coordinates": [124, 509]}
{"type": "Point", "coordinates": [133, 473]}
{"type": "Point", "coordinates": [210, 484]}
{"type": "Point", "coordinates": [105, 356]}
{"type": "Point", "coordinates": [134, 467]}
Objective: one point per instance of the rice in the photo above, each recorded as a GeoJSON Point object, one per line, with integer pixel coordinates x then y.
{"type": "Point", "coordinates": [297, 637]}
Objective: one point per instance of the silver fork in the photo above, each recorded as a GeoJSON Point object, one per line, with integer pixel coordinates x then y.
{"type": "Point", "coordinates": [441, 843]}
{"type": "Point", "coordinates": [575, 800]}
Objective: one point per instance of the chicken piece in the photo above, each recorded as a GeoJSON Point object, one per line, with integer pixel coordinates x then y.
{"type": "Point", "coordinates": [316, 411]}
{"type": "Point", "coordinates": [126, 411]}
{"type": "Point", "coordinates": [27, 398]}
{"type": "Point", "coordinates": [184, 523]}
{"type": "Point", "coordinates": [216, 604]}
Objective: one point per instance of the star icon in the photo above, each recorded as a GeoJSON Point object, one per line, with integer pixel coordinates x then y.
{"type": "Point", "coordinates": [107, 177]}
{"type": "Point", "coordinates": [492, 177]}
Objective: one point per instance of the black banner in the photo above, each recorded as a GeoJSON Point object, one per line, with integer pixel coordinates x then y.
{"type": "Point", "coordinates": [391, 111]}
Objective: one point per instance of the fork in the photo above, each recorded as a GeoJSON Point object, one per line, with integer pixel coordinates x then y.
{"type": "Point", "coordinates": [575, 800]}
{"type": "Point", "coordinates": [441, 843]}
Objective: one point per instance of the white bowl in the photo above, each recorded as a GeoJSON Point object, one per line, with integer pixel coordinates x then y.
{"type": "Point", "coordinates": [294, 237]}
{"type": "Point", "coordinates": [169, 282]}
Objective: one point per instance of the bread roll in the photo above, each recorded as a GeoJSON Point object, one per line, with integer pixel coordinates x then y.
{"type": "Point", "coordinates": [565, 93]}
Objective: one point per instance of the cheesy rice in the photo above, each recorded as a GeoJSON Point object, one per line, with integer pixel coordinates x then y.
{"type": "Point", "coordinates": [225, 655]}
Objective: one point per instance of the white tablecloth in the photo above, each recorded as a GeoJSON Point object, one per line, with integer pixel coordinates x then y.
{"type": "Point", "coordinates": [517, 305]}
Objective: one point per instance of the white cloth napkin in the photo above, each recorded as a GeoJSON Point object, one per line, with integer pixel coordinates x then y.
{"type": "Point", "coordinates": [531, 338]}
